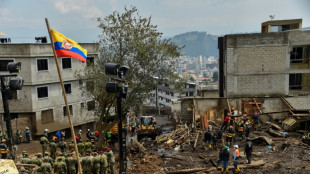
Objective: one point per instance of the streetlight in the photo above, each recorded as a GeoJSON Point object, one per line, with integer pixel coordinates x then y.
{"type": "Point", "coordinates": [120, 88]}
{"type": "Point", "coordinates": [14, 84]}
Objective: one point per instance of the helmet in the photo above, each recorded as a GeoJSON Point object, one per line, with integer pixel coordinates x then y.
{"type": "Point", "coordinates": [45, 153]}
{"type": "Point", "coordinates": [39, 154]}
{"type": "Point", "coordinates": [230, 127]}
{"type": "Point", "coordinates": [226, 147]}
{"type": "Point", "coordinates": [3, 140]}
{"type": "Point", "coordinates": [80, 130]}
{"type": "Point", "coordinates": [242, 122]}
{"type": "Point", "coordinates": [236, 146]}
{"type": "Point", "coordinates": [88, 129]}
{"type": "Point", "coordinates": [27, 128]}
{"type": "Point", "coordinates": [46, 130]}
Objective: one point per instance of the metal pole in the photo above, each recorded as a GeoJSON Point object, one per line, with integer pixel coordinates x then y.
{"type": "Point", "coordinates": [120, 134]}
{"type": "Point", "coordinates": [7, 117]}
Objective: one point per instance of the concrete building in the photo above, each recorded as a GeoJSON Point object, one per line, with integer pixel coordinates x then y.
{"type": "Point", "coordinates": [40, 104]}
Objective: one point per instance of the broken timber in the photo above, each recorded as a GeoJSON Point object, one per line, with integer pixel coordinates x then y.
{"type": "Point", "coordinates": [139, 145]}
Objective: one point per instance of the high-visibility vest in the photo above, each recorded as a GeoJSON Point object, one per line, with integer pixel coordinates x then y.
{"type": "Point", "coordinates": [229, 135]}
{"type": "Point", "coordinates": [238, 152]}
{"type": "Point", "coordinates": [240, 129]}
{"type": "Point", "coordinates": [92, 140]}
{"type": "Point", "coordinates": [4, 150]}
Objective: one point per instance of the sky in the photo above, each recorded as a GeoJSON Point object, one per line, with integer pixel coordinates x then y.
{"type": "Point", "coordinates": [22, 20]}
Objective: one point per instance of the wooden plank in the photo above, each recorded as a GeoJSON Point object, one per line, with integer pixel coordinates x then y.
{"type": "Point", "coordinates": [260, 111]}
{"type": "Point", "coordinates": [139, 145]}
{"type": "Point", "coordinates": [197, 135]}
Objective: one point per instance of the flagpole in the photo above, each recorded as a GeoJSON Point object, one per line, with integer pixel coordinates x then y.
{"type": "Point", "coordinates": [65, 97]}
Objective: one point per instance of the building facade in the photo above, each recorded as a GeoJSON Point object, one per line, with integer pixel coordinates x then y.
{"type": "Point", "coordinates": [40, 104]}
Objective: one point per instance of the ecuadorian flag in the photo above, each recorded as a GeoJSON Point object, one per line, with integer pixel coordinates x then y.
{"type": "Point", "coordinates": [66, 47]}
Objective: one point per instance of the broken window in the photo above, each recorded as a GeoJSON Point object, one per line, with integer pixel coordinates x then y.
{"type": "Point", "coordinates": [91, 105]}
{"type": "Point", "coordinates": [295, 82]}
{"type": "Point", "coordinates": [47, 116]}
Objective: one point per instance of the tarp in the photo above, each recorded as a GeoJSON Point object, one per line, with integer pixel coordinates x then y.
{"type": "Point", "coordinates": [8, 166]}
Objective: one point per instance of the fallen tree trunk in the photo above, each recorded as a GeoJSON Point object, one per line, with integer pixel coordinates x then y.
{"type": "Point", "coordinates": [243, 166]}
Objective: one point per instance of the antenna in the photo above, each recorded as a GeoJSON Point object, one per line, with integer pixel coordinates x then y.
{"type": "Point", "coordinates": [272, 17]}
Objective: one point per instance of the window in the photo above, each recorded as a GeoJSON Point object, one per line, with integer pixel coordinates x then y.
{"type": "Point", "coordinates": [66, 63]}
{"type": "Point", "coordinates": [47, 116]}
{"type": "Point", "coordinates": [81, 83]}
{"type": "Point", "coordinates": [296, 55]}
{"type": "Point", "coordinates": [65, 110]}
{"type": "Point", "coordinates": [42, 92]}
{"type": "Point", "coordinates": [4, 64]}
{"type": "Point", "coordinates": [295, 81]}
{"type": "Point", "coordinates": [91, 105]}
{"type": "Point", "coordinates": [42, 64]}
{"type": "Point", "coordinates": [68, 88]}
{"type": "Point", "coordinates": [82, 105]}
{"type": "Point", "coordinates": [89, 61]}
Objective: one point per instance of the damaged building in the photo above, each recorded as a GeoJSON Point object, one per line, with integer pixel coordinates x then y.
{"type": "Point", "coordinates": [40, 104]}
{"type": "Point", "coordinates": [268, 72]}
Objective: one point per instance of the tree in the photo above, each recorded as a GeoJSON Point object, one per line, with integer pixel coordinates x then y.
{"type": "Point", "coordinates": [215, 76]}
{"type": "Point", "coordinates": [192, 79]}
{"type": "Point", "coordinates": [131, 40]}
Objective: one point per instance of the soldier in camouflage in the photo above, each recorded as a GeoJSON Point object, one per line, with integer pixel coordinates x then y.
{"type": "Point", "coordinates": [87, 164]}
{"type": "Point", "coordinates": [48, 159]}
{"type": "Point", "coordinates": [111, 159]}
{"type": "Point", "coordinates": [44, 143]}
{"type": "Point", "coordinates": [103, 163]}
{"type": "Point", "coordinates": [96, 163]}
{"type": "Point", "coordinates": [46, 167]}
{"type": "Point", "coordinates": [88, 146]}
{"type": "Point", "coordinates": [81, 147]}
{"type": "Point", "coordinates": [53, 149]}
{"type": "Point", "coordinates": [71, 164]}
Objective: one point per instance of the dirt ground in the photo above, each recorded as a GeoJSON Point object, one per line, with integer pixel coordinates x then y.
{"type": "Point", "coordinates": [288, 155]}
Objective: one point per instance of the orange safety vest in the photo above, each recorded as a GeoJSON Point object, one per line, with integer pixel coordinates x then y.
{"type": "Point", "coordinates": [229, 134]}
{"type": "Point", "coordinates": [238, 152]}
{"type": "Point", "coordinates": [240, 129]}
{"type": "Point", "coordinates": [4, 150]}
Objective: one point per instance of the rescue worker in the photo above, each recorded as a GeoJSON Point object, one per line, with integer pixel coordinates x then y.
{"type": "Point", "coordinates": [81, 148]}
{"type": "Point", "coordinates": [62, 145]}
{"type": "Point", "coordinates": [225, 123]}
{"type": "Point", "coordinates": [71, 163]}
{"type": "Point", "coordinates": [71, 145]}
{"type": "Point", "coordinates": [88, 134]}
{"type": "Point", "coordinates": [220, 138]}
{"type": "Point", "coordinates": [247, 129]}
{"type": "Point", "coordinates": [224, 157]}
{"type": "Point", "coordinates": [60, 166]}
{"type": "Point", "coordinates": [48, 159]}
{"type": "Point", "coordinates": [103, 163]}
{"type": "Point", "coordinates": [236, 158]}
{"type": "Point", "coordinates": [214, 139]}
{"type": "Point", "coordinates": [248, 150]}
{"type": "Point", "coordinates": [111, 159]}
{"type": "Point", "coordinates": [4, 149]}
{"type": "Point", "coordinates": [53, 149]}
{"type": "Point", "coordinates": [256, 120]}
{"type": "Point", "coordinates": [44, 143]}
{"type": "Point", "coordinates": [92, 138]}
{"type": "Point", "coordinates": [87, 164]}
{"type": "Point", "coordinates": [80, 135]}
{"type": "Point", "coordinates": [46, 133]}
{"type": "Point", "coordinates": [241, 129]}
{"type": "Point", "coordinates": [37, 160]}
{"type": "Point", "coordinates": [232, 119]}
{"type": "Point", "coordinates": [207, 138]}
{"type": "Point", "coordinates": [96, 163]}
{"type": "Point", "coordinates": [229, 135]}
{"type": "Point", "coordinates": [27, 135]}
{"type": "Point", "coordinates": [46, 167]}
{"type": "Point", "coordinates": [88, 146]}
{"type": "Point", "coordinates": [245, 116]}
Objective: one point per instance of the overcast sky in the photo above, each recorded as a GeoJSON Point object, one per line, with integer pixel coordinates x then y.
{"type": "Point", "coordinates": [22, 20]}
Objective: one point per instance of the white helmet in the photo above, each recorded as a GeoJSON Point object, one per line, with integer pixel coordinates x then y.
{"type": "Point", "coordinates": [80, 130]}
{"type": "Point", "coordinates": [236, 146]}
{"type": "Point", "coordinates": [27, 127]}
{"type": "Point", "coordinates": [46, 130]}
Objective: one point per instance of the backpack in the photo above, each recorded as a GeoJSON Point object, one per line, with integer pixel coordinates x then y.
{"type": "Point", "coordinates": [41, 141]}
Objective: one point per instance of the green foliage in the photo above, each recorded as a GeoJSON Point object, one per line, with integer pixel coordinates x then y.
{"type": "Point", "coordinates": [131, 40]}
{"type": "Point", "coordinates": [197, 44]}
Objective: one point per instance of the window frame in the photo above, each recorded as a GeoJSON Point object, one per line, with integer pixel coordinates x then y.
{"type": "Point", "coordinates": [65, 108]}
{"type": "Point", "coordinates": [70, 88]}
{"type": "Point", "coordinates": [37, 59]}
{"type": "Point", "coordinates": [42, 87]}
{"type": "Point", "coordinates": [62, 63]}
{"type": "Point", "coordinates": [88, 107]}
{"type": "Point", "coordinates": [9, 59]}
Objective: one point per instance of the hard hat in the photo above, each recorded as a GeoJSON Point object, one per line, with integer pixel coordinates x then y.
{"type": "Point", "coordinates": [226, 147]}
{"type": "Point", "coordinates": [88, 129]}
{"type": "Point", "coordinates": [46, 130]}
{"type": "Point", "coordinates": [27, 127]}
{"type": "Point", "coordinates": [230, 127]}
{"type": "Point", "coordinates": [242, 122]}
{"type": "Point", "coordinates": [236, 146]}
{"type": "Point", "coordinates": [80, 130]}
{"type": "Point", "coordinates": [3, 140]}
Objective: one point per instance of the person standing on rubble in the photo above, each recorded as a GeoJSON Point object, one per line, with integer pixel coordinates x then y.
{"type": "Point", "coordinates": [220, 138]}
{"type": "Point", "coordinates": [247, 129]}
{"type": "Point", "coordinates": [241, 129]}
{"type": "Point", "coordinates": [207, 138]}
{"type": "Point", "coordinates": [224, 157]}
{"type": "Point", "coordinates": [248, 150]}
{"type": "Point", "coordinates": [27, 134]}
{"type": "Point", "coordinates": [236, 158]}
{"type": "Point", "coordinates": [214, 139]}
{"type": "Point", "coordinates": [4, 149]}
{"type": "Point", "coordinates": [225, 123]}
{"type": "Point", "coordinates": [230, 135]}
{"type": "Point", "coordinates": [256, 120]}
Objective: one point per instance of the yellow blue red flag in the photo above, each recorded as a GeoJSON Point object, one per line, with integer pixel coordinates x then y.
{"type": "Point", "coordinates": [66, 47]}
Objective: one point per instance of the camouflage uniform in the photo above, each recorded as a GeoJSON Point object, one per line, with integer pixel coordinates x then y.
{"type": "Point", "coordinates": [25, 160]}
{"type": "Point", "coordinates": [44, 143]}
{"type": "Point", "coordinates": [88, 146]}
{"type": "Point", "coordinates": [87, 165]}
{"type": "Point", "coordinates": [111, 160]}
{"type": "Point", "coordinates": [81, 147]}
{"type": "Point", "coordinates": [71, 165]}
{"type": "Point", "coordinates": [71, 146]}
{"type": "Point", "coordinates": [96, 164]}
{"type": "Point", "coordinates": [37, 160]}
{"type": "Point", "coordinates": [48, 159]}
{"type": "Point", "coordinates": [60, 166]}
{"type": "Point", "coordinates": [103, 163]}
{"type": "Point", "coordinates": [53, 149]}
{"type": "Point", "coordinates": [45, 168]}
{"type": "Point", "coordinates": [62, 146]}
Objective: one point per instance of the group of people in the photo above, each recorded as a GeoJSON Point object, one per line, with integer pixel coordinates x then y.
{"type": "Point", "coordinates": [62, 158]}
{"type": "Point", "coordinates": [241, 125]}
